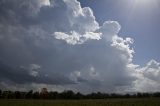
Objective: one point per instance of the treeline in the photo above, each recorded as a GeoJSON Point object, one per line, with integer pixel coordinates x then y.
{"type": "Point", "coordinates": [44, 94]}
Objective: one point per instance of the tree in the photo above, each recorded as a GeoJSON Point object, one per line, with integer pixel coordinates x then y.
{"type": "Point", "coordinates": [53, 95]}
{"type": "Point", "coordinates": [0, 93]}
{"type": "Point", "coordinates": [29, 94]}
{"type": "Point", "coordinates": [79, 95]}
{"type": "Point", "coordinates": [157, 94]}
{"type": "Point", "coordinates": [139, 95]}
{"type": "Point", "coordinates": [67, 95]}
{"type": "Point", "coordinates": [5, 94]}
{"type": "Point", "coordinates": [17, 94]}
{"type": "Point", "coordinates": [36, 95]}
{"type": "Point", "coordinates": [44, 93]}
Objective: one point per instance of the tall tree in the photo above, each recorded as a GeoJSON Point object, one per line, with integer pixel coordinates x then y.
{"type": "Point", "coordinates": [44, 93]}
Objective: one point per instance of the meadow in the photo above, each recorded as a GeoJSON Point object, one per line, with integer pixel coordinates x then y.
{"type": "Point", "coordinates": [105, 102]}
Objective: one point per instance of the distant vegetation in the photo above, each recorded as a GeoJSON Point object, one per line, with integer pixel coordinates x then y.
{"type": "Point", "coordinates": [44, 94]}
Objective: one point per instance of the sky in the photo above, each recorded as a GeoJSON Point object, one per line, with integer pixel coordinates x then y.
{"type": "Point", "coordinates": [140, 21]}
{"type": "Point", "coordinates": [85, 46]}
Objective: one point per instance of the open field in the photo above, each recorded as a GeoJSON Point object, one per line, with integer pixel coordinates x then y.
{"type": "Point", "coordinates": [106, 102]}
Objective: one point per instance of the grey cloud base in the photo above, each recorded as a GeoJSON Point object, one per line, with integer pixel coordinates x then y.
{"type": "Point", "coordinates": [59, 44]}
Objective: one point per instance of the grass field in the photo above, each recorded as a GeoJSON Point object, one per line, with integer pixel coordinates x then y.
{"type": "Point", "coordinates": [107, 102]}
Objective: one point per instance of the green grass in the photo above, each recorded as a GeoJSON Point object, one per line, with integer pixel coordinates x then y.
{"type": "Point", "coordinates": [107, 102]}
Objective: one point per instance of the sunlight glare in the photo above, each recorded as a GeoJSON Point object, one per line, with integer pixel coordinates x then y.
{"type": "Point", "coordinates": [144, 3]}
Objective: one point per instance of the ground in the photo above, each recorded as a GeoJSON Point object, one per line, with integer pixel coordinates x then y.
{"type": "Point", "coordinates": [106, 102]}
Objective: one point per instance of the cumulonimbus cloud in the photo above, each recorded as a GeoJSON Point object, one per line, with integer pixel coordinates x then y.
{"type": "Point", "coordinates": [59, 43]}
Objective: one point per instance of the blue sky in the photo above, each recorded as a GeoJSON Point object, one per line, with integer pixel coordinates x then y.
{"type": "Point", "coordinates": [140, 22]}
{"type": "Point", "coordinates": [86, 46]}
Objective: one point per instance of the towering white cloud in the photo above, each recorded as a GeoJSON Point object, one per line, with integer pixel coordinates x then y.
{"type": "Point", "coordinates": [69, 49]}
{"type": "Point", "coordinates": [148, 77]}
{"type": "Point", "coordinates": [75, 38]}
{"type": "Point", "coordinates": [82, 24]}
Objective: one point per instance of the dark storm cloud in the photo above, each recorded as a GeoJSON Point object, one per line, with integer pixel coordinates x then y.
{"type": "Point", "coordinates": [20, 45]}
{"type": "Point", "coordinates": [22, 76]}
